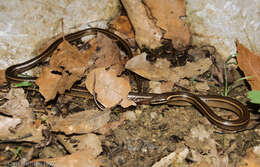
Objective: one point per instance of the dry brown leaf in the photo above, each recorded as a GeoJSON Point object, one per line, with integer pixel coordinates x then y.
{"type": "Point", "coordinates": [168, 15]}
{"type": "Point", "coordinates": [76, 143]}
{"type": "Point", "coordinates": [84, 158]}
{"type": "Point", "coordinates": [146, 32]}
{"type": "Point", "coordinates": [48, 89]}
{"type": "Point", "coordinates": [67, 65]}
{"type": "Point", "coordinates": [111, 126]}
{"type": "Point", "coordinates": [2, 77]}
{"type": "Point", "coordinates": [160, 87]}
{"type": "Point", "coordinates": [69, 58]}
{"type": "Point", "coordinates": [122, 25]}
{"type": "Point", "coordinates": [249, 62]}
{"type": "Point", "coordinates": [22, 121]}
{"type": "Point", "coordinates": [79, 123]}
{"type": "Point", "coordinates": [161, 71]}
{"type": "Point", "coordinates": [252, 159]}
{"type": "Point", "coordinates": [176, 157]}
{"type": "Point", "coordinates": [111, 90]}
{"type": "Point", "coordinates": [107, 54]}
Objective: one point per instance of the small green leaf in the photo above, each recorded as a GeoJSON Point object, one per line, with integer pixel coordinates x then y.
{"type": "Point", "coordinates": [254, 96]}
{"type": "Point", "coordinates": [192, 80]}
{"type": "Point", "coordinates": [43, 119]}
{"type": "Point", "coordinates": [23, 84]}
{"type": "Point", "coordinates": [244, 78]}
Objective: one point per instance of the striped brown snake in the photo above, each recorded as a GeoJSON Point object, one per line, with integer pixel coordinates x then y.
{"type": "Point", "coordinates": [202, 102]}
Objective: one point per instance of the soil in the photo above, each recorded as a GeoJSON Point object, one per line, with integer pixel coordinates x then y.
{"type": "Point", "coordinates": [157, 131]}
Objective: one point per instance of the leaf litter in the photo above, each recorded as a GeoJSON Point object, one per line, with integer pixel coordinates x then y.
{"type": "Point", "coordinates": [160, 137]}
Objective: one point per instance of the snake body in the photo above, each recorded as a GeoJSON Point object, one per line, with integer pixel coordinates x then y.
{"type": "Point", "coordinates": [201, 102]}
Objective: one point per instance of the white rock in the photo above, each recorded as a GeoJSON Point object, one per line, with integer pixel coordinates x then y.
{"type": "Point", "coordinates": [25, 24]}
{"type": "Point", "coordinates": [220, 22]}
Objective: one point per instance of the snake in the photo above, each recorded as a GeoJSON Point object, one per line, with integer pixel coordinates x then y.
{"type": "Point", "coordinates": [203, 103]}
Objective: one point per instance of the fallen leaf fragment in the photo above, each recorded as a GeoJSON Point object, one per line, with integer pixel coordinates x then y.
{"type": "Point", "coordinates": [22, 122]}
{"type": "Point", "coordinates": [84, 158]}
{"type": "Point", "coordinates": [123, 25]}
{"type": "Point", "coordinates": [48, 89]}
{"type": "Point", "coordinates": [67, 65]}
{"type": "Point", "coordinates": [168, 15]}
{"type": "Point", "coordinates": [110, 89]}
{"type": "Point", "coordinates": [176, 157]}
{"type": "Point", "coordinates": [2, 77]}
{"type": "Point", "coordinates": [111, 126]}
{"type": "Point", "coordinates": [146, 32]}
{"type": "Point", "coordinates": [161, 71]}
{"type": "Point", "coordinates": [252, 159]}
{"type": "Point", "coordinates": [107, 54]}
{"type": "Point", "coordinates": [249, 62]}
{"type": "Point", "coordinates": [160, 87]}
{"type": "Point", "coordinates": [17, 104]}
{"type": "Point", "coordinates": [90, 142]}
{"type": "Point", "coordinates": [80, 123]}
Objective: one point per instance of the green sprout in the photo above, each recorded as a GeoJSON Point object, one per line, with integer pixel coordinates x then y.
{"type": "Point", "coordinates": [23, 84]}
{"type": "Point", "coordinates": [192, 80]}
{"type": "Point", "coordinates": [17, 152]}
{"type": "Point", "coordinates": [254, 97]}
{"type": "Point", "coordinates": [227, 87]}
{"type": "Point", "coordinates": [44, 119]}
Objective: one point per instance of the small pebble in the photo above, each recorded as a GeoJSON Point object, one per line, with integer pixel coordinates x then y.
{"type": "Point", "coordinates": [138, 112]}
{"type": "Point", "coordinates": [130, 115]}
{"type": "Point", "coordinates": [153, 115]}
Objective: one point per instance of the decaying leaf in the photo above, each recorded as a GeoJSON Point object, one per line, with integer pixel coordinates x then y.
{"type": "Point", "coordinates": [161, 71]}
{"type": "Point", "coordinates": [76, 143]}
{"type": "Point", "coordinates": [48, 89]}
{"type": "Point", "coordinates": [249, 62]}
{"type": "Point", "coordinates": [252, 159]}
{"type": "Point", "coordinates": [146, 32]}
{"type": "Point", "coordinates": [2, 77]}
{"type": "Point", "coordinates": [160, 87]}
{"type": "Point", "coordinates": [67, 65]}
{"type": "Point", "coordinates": [107, 54]}
{"type": "Point", "coordinates": [122, 25]}
{"type": "Point", "coordinates": [200, 140]}
{"type": "Point", "coordinates": [84, 158]}
{"type": "Point", "coordinates": [80, 123]}
{"type": "Point", "coordinates": [176, 157]}
{"type": "Point", "coordinates": [111, 126]}
{"type": "Point", "coordinates": [169, 17]}
{"type": "Point", "coordinates": [22, 122]}
{"type": "Point", "coordinates": [110, 89]}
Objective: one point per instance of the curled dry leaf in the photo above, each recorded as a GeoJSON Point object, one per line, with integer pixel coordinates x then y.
{"type": "Point", "coordinates": [21, 124]}
{"type": "Point", "coordinates": [249, 62]}
{"type": "Point", "coordinates": [82, 122]}
{"type": "Point", "coordinates": [67, 65]}
{"type": "Point", "coordinates": [110, 89]}
{"type": "Point", "coordinates": [161, 71]}
{"type": "Point", "coordinates": [169, 17]}
{"type": "Point", "coordinates": [146, 32]}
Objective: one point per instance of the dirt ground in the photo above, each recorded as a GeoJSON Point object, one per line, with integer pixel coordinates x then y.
{"type": "Point", "coordinates": [152, 133]}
